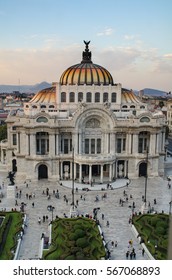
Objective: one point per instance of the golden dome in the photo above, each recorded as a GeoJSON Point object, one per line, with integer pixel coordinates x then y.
{"type": "Point", "coordinates": [86, 72]}
{"type": "Point", "coordinates": [47, 95]}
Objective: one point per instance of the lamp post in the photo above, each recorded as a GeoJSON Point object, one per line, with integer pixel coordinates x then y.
{"type": "Point", "coordinates": [73, 198]}
{"type": "Point", "coordinates": [51, 209]}
{"type": "Point", "coordinates": [170, 207]}
{"type": "Point", "coordinates": [146, 175]}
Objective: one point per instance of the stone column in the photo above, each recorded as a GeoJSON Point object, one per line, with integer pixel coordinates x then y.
{"type": "Point", "coordinates": [71, 170]}
{"type": "Point", "coordinates": [52, 145]}
{"type": "Point", "coordinates": [135, 143]}
{"type": "Point", "coordinates": [57, 143]}
{"type": "Point", "coordinates": [152, 144]}
{"type": "Point", "coordinates": [80, 142]}
{"type": "Point", "coordinates": [112, 147]}
{"type": "Point", "coordinates": [157, 143]}
{"type": "Point", "coordinates": [26, 144]}
{"type": "Point", "coordinates": [110, 172]}
{"type": "Point", "coordinates": [32, 144]}
{"type": "Point", "coordinates": [101, 173]}
{"type": "Point", "coordinates": [128, 139]}
{"type": "Point", "coordinates": [90, 173]}
{"type": "Point", "coordinates": [61, 169]}
{"type": "Point", "coordinates": [80, 173]}
{"type": "Point", "coordinates": [163, 141]}
{"type": "Point", "coordinates": [74, 170]}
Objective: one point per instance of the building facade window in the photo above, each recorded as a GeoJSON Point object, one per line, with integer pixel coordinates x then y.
{"type": "Point", "coordinates": [121, 143]}
{"type": "Point", "coordinates": [42, 119]}
{"type": "Point", "coordinates": [72, 97]}
{"type": "Point", "coordinates": [14, 139]}
{"type": "Point", "coordinates": [93, 146]}
{"type": "Point", "coordinates": [143, 141]}
{"type": "Point", "coordinates": [97, 97]}
{"type": "Point", "coordinates": [86, 146]}
{"type": "Point", "coordinates": [105, 96]}
{"type": "Point", "coordinates": [67, 146]}
{"type": "Point", "coordinates": [63, 96]}
{"type": "Point", "coordinates": [80, 96]}
{"type": "Point", "coordinates": [42, 143]}
{"type": "Point", "coordinates": [98, 146]}
{"type": "Point", "coordinates": [89, 97]}
{"type": "Point", "coordinates": [113, 97]}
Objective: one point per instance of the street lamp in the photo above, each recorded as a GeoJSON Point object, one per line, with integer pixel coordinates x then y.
{"type": "Point", "coordinates": [146, 175]}
{"type": "Point", "coordinates": [73, 199]}
{"type": "Point", "coordinates": [51, 209]}
{"type": "Point", "coordinates": [170, 207]}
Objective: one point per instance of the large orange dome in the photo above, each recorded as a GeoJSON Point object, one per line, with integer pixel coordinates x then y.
{"type": "Point", "coordinates": [86, 72]}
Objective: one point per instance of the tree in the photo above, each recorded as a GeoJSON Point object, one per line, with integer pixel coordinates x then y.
{"type": "Point", "coordinates": [3, 132]}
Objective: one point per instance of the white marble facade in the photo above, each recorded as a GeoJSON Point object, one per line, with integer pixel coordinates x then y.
{"type": "Point", "coordinates": [91, 131]}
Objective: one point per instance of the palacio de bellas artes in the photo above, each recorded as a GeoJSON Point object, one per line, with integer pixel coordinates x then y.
{"type": "Point", "coordinates": [85, 125]}
{"type": "Point", "coordinates": [75, 149]}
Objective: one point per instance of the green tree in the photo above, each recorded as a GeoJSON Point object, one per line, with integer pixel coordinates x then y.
{"type": "Point", "coordinates": [3, 132]}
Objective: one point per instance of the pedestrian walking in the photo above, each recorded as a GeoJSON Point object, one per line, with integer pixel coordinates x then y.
{"type": "Point", "coordinates": [116, 243]}
{"type": "Point", "coordinates": [33, 204]}
{"type": "Point", "coordinates": [107, 224]}
{"type": "Point", "coordinates": [143, 252]}
{"type": "Point", "coordinates": [127, 255]}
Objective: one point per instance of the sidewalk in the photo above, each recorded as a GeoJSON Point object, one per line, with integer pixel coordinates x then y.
{"type": "Point", "coordinates": [118, 216]}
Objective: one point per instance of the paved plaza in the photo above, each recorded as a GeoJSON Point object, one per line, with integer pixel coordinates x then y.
{"type": "Point", "coordinates": [119, 228]}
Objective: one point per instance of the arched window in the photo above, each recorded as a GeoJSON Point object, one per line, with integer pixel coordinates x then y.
{"type": "Point", "coordinates": [43, 106]}
{"type": "Point", "coordinates": [42, 143]}
{"type": "Point", "coordinates": [113, 97]}
{"type": "Point", "coordinates": [51, 106]}
{"type": "Point", "coordinates": [144, 119]}
{"type": "Point", "coordinates": [34, 107]}
{"type": "Point", "coordinates": [80, 96]}
{"type": "Point", "coordinates": [105, 96]}
{"type": "Point", "coordinates": [42, 119]}
{"type": "Point", "coordinates": [71, 97]}
{"type": "Point", "coordinates": [97, 97]}
{"type": "Point", "coordinates": [121, 142]}
{"type": "Point", "coordinates": [132, 107]}
{"type": "Point", "coordinates": [89, 97]}
{"type": "Point", "coordinates": [63, 96]}
{"type": "Point", "coordinates": [144, 138]}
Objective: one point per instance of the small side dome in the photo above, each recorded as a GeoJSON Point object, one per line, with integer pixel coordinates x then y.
{"type": "Point", "coordinates": [47, 95]}
{"type": "Point", "coordinates": [86, 72]}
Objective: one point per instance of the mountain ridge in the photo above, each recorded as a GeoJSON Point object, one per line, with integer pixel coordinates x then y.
{"type": "Point", "coordinates": [24, 88]}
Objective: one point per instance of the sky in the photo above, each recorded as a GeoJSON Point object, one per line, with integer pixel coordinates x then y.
{"type": "Point", "coordinates": [132, 39]}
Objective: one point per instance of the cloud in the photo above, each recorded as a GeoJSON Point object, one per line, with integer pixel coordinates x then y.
{"type": "Point", "coordinates": [105, 32]}
{"type": "Point", "coordinates": [134, 67]}
{"type": "Point", "coordinates": [168, 55]}
{"type": "Point", "coordinates": [129, 37]}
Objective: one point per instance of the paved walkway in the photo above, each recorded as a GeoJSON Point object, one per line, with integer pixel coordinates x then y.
{"type": "Point", "coordinates": [118, 216]}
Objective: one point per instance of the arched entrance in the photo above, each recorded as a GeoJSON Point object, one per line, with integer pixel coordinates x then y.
{"type": "Point", "coordinates": [143, 169]}
{"type": "Point", "coordinates": [42, 172]}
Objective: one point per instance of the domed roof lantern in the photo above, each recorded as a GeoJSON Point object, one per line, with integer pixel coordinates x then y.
{"type": "Point", "coordinates": [86, 72]}
{"type": "Point", "coordinates": [86, 55]}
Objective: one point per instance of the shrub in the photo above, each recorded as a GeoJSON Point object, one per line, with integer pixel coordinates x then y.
{"type": "Point", "coordinates": [82, 242]}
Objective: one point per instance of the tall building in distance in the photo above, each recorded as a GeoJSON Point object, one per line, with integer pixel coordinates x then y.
{"type": "Point", "coordinates": [87, 118]}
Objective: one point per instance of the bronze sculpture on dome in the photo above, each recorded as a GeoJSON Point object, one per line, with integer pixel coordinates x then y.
{"type": "Point", "coordinates": [86, 55]}
{"type": "Point", "coordinates": [86, 43]}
